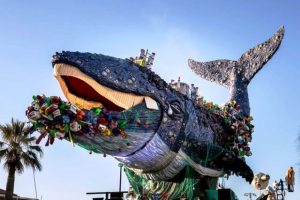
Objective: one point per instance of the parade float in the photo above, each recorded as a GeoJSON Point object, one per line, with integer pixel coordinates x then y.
{"type": "Point", "coordinates": [172, 142]}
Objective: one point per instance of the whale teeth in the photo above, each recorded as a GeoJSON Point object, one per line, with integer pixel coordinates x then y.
{"type": "Point", "coordinates": [123, 100]}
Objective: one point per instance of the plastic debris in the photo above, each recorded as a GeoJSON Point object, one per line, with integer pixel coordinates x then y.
{"type": "Point", "coordinates": [145, 59]}
{"type": "Point", "coordinates": [55, 118]}
{"type": "Point", "coordinates": [239, 129]}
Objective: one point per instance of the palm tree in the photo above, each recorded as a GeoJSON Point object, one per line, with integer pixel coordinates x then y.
{"type": "Point", "coordinates": [17, 152]}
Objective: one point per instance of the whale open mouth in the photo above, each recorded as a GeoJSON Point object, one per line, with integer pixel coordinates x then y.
{"type": "Point", "coordinates": [83, 91]}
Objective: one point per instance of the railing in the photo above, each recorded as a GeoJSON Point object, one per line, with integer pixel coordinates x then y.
{"type": "Point", "coordinates": [108, 195]}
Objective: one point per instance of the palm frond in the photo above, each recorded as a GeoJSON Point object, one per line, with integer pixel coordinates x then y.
{"type": "Point", "coordinates": [25, 140]}
{"type": "Point", "coordinates": [36, 149]}
{"type": "Point", "coordinates": [19, 166]}
{"type": "Point", "coordinates": [6, 132]}
{"type": "Point", "coordinates": [3, 152]}
{"type": "Point", "coordinates": [19, 152]}
{"type": "Point", "coordinates": [37, 165]}
{"type": "Point", "coordinates": [30, 159]}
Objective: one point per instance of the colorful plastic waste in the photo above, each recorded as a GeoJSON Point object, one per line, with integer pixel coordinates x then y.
{"type": "Point", "coordinates": [238, 127]}
{"type": "Point", "coordinates": [55, 118]}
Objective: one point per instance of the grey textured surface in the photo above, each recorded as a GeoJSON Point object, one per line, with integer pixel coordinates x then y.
{"type": "Point", "coordinates": [186, 128]}
{"type": "Point", "coordinates": [236, 75]}
{"type": "Point", "coordinates": [186, 122]}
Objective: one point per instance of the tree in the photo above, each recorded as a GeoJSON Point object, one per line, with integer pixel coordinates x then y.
{"type": "Point", "coordinates": [17, 152]}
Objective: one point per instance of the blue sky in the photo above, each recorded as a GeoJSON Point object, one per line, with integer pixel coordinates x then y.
{"type": "Point", "coordinates": [31, 31]}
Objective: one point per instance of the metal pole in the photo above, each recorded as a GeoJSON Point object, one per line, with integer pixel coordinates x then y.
{"type": "Point", "coordinates": [120, 182]}
{"type": "Point", "coordinates": [33, 172]}
{"type": "Point", "coordinates": [34, 184]}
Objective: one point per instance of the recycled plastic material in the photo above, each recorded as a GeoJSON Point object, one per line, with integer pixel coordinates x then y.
{"type": "Point", "coordinates": [121, 133]}
{"type": "Point", "coordinates": [239, 128]}
{"type": "Point", "coordinates": [97, 130]}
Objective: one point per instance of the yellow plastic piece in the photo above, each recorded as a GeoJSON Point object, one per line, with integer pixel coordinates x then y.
{"type": "Point", "coordinates": [107, 132]}
{"type": "Point", "coordinates": [140, 62]}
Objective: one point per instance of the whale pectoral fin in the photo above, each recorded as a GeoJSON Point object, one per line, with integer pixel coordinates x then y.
{"type": "Point", "coordinates": [231, 163]}
{"type": "Point", "coordinates": [216, 71]}
{"type": "Point", "coordinates": [254, 59]}
{"type": "Point", "coordinates": [212, 160]}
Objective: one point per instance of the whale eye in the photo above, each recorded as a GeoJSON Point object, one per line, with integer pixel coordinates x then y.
{"type": "Point", "coordinates": [176, 107]}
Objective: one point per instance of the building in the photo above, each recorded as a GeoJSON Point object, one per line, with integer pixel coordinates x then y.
{"type": "Point", "coordinates": [16, 197]}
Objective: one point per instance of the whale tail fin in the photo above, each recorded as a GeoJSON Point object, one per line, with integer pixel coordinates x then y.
{"type": "Point", "coordinates": [254, 59]}
{"type": "Point", "coordinates": [236, 75]}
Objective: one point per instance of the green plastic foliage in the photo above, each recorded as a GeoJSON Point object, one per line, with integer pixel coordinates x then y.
{"type": "Point", "coordinates": [165, 190]}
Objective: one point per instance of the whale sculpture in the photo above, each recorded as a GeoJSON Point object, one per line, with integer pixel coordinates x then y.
{"type": "Point", "coordinates": [165, 132]}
